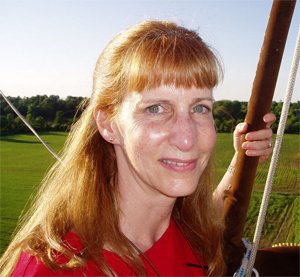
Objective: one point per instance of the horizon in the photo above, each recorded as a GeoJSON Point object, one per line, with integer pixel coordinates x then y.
{"type": "Point", "coordinates": [64, 97]}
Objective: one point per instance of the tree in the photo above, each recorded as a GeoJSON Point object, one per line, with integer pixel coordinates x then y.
{"type": "Point", "coordinates": [39, 123]}
{"type": "Point", "coordinates": [4, 124]}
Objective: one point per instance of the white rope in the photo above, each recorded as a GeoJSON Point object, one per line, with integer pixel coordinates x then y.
{"type": "Point", "coordinates": [30, 127]}
{"type": "Point", "coordinates": [275, 156]}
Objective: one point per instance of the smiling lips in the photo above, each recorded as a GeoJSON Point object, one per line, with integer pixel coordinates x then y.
{"type": "Point", "coordinates": [179, 165]}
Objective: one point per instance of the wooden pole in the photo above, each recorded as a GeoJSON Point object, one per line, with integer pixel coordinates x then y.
{"type": "Point", "coordinates": [237, 197]}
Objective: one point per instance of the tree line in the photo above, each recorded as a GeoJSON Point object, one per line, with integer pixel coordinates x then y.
{"type": "Point", "coordinates": [51, 113]}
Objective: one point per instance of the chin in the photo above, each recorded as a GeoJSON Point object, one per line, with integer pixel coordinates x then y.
{"type": "Point", "coordinates": [182, 191]}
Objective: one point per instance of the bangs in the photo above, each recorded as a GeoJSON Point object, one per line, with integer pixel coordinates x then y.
{"type": "Point", "coordinates": [149, 55]}
{"type": "Point", "coordinates": [178, 57]}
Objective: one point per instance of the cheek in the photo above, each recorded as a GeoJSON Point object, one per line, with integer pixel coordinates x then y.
{"type": "Point", "coordinates": [155, 133]}
{"type": "Point", "coordinates": [214, 138]}
{"type": "Point", "coordinates": [208, 135]}
{"type": "Point", "coordinates": [141, 137]}
{"type": "Point", "coordinates": [213, 133]}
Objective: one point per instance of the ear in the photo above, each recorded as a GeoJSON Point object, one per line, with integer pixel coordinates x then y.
{"type": "Point", "coordinates": [105, 125]}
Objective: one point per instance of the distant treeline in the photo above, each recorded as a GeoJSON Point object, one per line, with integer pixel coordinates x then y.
{"type": "Point", "coordinates": [46, 113]}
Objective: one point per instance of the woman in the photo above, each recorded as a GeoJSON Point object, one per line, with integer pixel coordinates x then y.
{"type": "Point", "coordinates": [133, 194]}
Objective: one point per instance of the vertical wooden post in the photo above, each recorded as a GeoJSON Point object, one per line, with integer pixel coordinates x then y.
{"type": "Point", "coordinates": [238, 196]}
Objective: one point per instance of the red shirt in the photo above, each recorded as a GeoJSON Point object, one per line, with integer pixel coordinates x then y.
{"type": "Point", "coordinates": [171, 255]}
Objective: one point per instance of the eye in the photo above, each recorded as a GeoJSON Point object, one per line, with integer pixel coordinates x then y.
{"type": "Point", "coordinates": [200, 109]}
{"type": "Point", "coordinates": [155, 109]}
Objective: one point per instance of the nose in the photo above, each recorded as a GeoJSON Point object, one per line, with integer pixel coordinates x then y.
{"type": "Point", "coordinates": [183, 134]}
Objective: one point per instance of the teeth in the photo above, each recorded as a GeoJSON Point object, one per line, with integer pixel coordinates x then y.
{"type": "Point", "coordinates": [174, 163]}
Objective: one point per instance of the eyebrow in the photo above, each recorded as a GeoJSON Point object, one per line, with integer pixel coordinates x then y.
{"type": "Point", "coordinates": [205, 98]}
{"type": "Point", "coordinates": [150, 101]}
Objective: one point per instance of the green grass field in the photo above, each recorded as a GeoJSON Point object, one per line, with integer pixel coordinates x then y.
{"type": "Point", "coordinates": [24, 161]}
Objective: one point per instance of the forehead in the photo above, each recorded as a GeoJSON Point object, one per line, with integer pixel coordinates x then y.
{"type": "Point", "coordinates": [169, 93]}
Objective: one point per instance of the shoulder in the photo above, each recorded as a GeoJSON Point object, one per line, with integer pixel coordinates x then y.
{"type": "Point", "coordinates": [29, 265]}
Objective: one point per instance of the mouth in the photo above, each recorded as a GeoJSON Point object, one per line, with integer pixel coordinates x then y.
{"type": "Point", "coordinates": [179, 165]}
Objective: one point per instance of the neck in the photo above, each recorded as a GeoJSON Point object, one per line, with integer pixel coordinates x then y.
{"type": "Point", "coordinates": [144, 221]}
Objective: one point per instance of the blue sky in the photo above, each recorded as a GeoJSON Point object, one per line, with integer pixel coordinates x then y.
{"type": "Point", "coordinates": [50, 47]}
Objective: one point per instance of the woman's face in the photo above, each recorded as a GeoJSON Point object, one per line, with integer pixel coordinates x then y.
{"type": "Point", "coordinates": [163, 140]}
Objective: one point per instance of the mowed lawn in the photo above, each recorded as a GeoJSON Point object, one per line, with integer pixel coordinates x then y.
{"type": "Point", "coordinates": [24, 161]}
